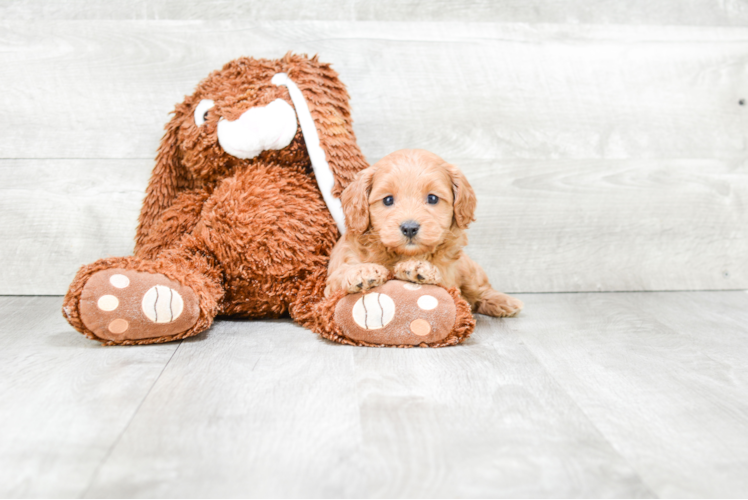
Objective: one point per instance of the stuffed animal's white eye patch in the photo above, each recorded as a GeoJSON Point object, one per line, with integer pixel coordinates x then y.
{"type": "Point", "coordinates": [258, 129]}
{"type": "Point", "coordinates": [201, 111]}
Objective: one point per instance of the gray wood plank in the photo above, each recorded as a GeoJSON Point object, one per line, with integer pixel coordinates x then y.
{"type": "Point", "coordinates": [611, 225]}
{"type": "Point", "coordinates": [721, 318]}
{"type": "Point", "coordinates": [266, 409]}
{"type": "Point", "coordinates": [635, 394]}
{"type": "Point", "coordinates": [57, 215]}
{"type": "Point", "coordinates": [65, 400]}
{"type": "Point", "coordinates": [252, 408]}
{"type": "Point", "coordinates": [660, 12]}
{"type": "Point", "coordinates": [480, 420]}
{"type": "Point", "coordinates": [102, 89]}
{"type": "Point", "coordinates": [661, 376]}
{"type": "Point", "coordinates": [541, 225]}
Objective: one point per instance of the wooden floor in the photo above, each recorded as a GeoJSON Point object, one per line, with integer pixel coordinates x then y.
{"type": "Point", "coordinates": [600, 394]}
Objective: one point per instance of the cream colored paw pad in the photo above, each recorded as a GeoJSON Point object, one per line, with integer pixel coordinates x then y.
{"type": "Point", "coordinates": [373, 311]}
{"type": "Point", "coordinates": [108, 303]}
{"type": "Point", "coordinates": [427, 302]}
{"type": "Point", "coordinates": [162, 304]}
{"type": "Point", "coordinates": [119, 281]}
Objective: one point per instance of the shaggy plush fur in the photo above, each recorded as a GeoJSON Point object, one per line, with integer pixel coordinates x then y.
{"type": "Point", "coordinates": [407, 216]}
{"type": "Point", "coordinates": [251, 237]}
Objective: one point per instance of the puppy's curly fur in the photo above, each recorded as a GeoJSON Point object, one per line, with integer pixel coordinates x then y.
{"type": "Point", "coordinates": [407, 215]}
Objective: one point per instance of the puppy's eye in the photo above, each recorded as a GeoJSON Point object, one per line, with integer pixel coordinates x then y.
{"type": "Point", "coordinates": [388, 200]}
{"type": "Point", "coordinates": [201, 111]}
{"type": "Point", "coordinates": [432, 199]}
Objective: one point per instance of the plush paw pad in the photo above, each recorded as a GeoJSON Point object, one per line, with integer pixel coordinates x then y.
{"type": "Point", "coordinates": [397, 313]}
{"type": "Point", "coordinates": [118, 304]}
{"type": "Point", "coordinates": [373, 311]}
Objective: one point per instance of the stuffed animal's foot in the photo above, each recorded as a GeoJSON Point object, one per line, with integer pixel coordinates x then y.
{"type": "Point", "coordinates": [404, 314]}
{"type": "Point", "coordinates": [120, 304]}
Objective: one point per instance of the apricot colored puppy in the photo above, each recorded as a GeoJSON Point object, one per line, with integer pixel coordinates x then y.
{"type": "Point", "coordinates": [407, 214]}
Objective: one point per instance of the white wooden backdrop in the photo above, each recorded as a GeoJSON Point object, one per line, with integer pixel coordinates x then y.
{"type": "Point", "coordinates": [606, 140]}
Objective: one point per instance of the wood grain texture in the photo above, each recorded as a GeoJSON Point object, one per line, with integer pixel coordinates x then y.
{"type": "Point", "coordinates": [267, 409]}
{"type": "Point", "coordinates": [57, 215]}
{"type": "Point", "coordinates": [541, 226]}
{"type": "Point", "coordinates": [723, 316]}
{"type": "Point", "coordinates": [65, 399]}
{"type": "Point", "coordinates": [582, 395]}
{"type": "Point", "coordinates": [85, 89]}
{"type": "Point", "coordinates": [662, 376]}
{"type": "Point", "coordinates": [478, 421]}
{"type": "Point", "coordinates": [647, 12]}
{"type": "Point", "coordinates": [251, 408]}
{"type": "Point", "coordinates": [605, 157]}
{"type": "Point", "coordinates": [611, 225]}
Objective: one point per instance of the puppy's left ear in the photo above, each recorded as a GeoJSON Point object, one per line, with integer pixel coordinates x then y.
{"type": "Point", "coordinates": [465, 200]}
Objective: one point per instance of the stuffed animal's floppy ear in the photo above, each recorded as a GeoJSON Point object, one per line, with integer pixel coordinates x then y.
{"type": "Point", "coordinates": [167, 179]}
{"type": "Point", "coordinates": [465, 200]}
{"type": "Point", "coordinates": [355, 199]}
{"type": "Point", "coordinates": [327, 99]}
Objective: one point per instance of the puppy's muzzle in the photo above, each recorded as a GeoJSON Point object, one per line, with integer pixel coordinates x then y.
{"type": "Point", "coordinates": [410, 228]}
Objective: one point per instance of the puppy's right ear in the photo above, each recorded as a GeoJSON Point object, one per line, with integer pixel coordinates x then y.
{"type": "Point", "coordinates": [465, 201]}
{"type": "Point", "coordinates": [355, 200]}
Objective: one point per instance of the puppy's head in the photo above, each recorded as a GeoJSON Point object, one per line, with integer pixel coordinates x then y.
{"type": "Point", "coordinates": [410, 199]}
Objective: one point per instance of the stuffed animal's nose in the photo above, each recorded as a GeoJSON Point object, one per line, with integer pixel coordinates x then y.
{"type": "Point", "coordinates": [258, 129]}
{"type": "Point", "coordinates": [410, 228]}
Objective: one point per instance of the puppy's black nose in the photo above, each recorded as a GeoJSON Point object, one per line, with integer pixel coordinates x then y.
{"type": "Point", "coordinates": [410, 228]}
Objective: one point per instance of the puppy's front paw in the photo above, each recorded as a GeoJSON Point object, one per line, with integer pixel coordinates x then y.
{"type": "Point", "coordinates": [365, 276]}
{"type": "Point", "coordinates": [418, 271]}
{"type": "Point", "coordinates": [499, 305]}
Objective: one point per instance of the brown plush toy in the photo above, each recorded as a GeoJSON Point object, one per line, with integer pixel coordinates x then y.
{"type": "Point", "coordinates": [239, 219]}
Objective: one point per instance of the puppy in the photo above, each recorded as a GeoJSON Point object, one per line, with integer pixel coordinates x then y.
{"type": "Point", "coordinates": [407, 214]}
